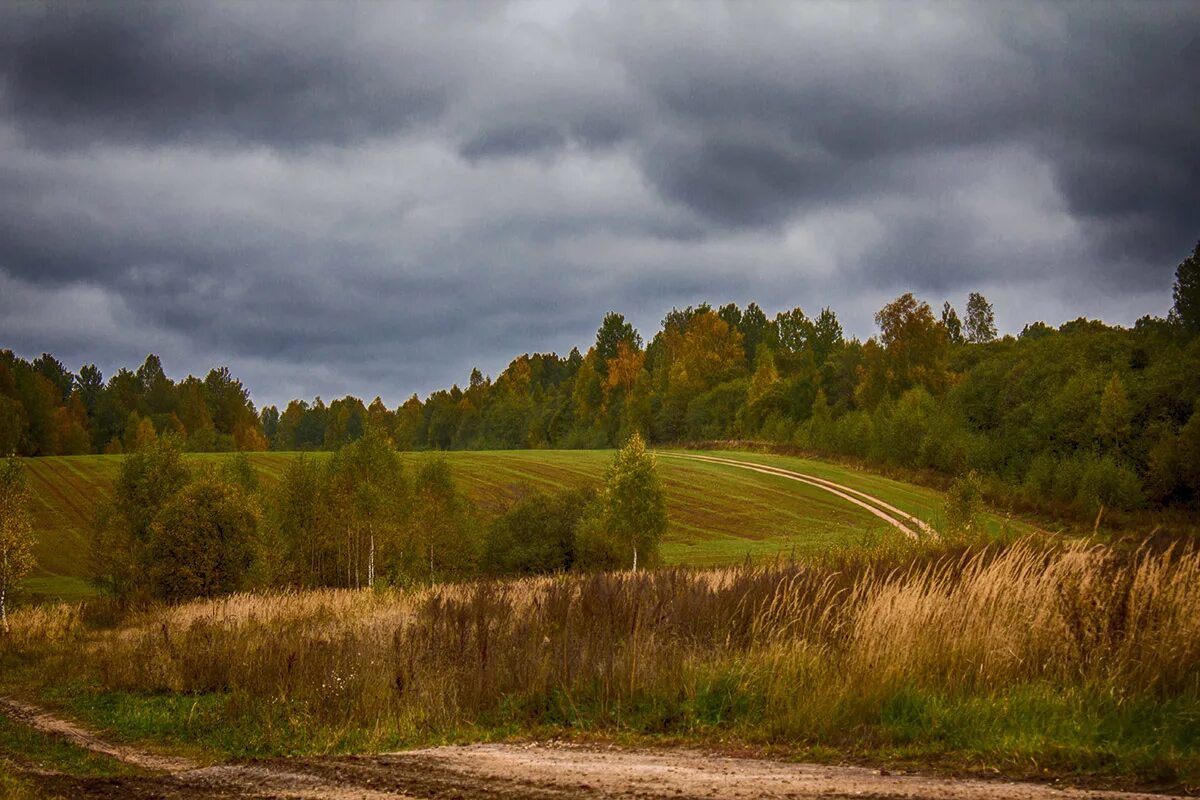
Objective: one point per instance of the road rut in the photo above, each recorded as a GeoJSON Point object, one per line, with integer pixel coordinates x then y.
{"type": "Point", "coordinates": [540, 770]}
{"type": "Point", "coordinates": [908, 524]}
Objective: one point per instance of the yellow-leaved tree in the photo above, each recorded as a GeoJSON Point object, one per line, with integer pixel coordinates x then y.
{"type": "Point", "coordinates": [630, 516]}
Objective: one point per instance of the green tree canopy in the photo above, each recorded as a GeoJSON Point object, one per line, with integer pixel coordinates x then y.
{"type": "Point", "coordinates": [201, 542]}
{"type": "Point", "coordinates": [633, 509]}
{"type": "Point", "coordinates": [981, 321]}
{"type": "Point", "coordinates": [147, 481]}
{"type": "Point", "coordinates": [954, 328]}
{"type": "Point", "coordinates": [1186, 292]}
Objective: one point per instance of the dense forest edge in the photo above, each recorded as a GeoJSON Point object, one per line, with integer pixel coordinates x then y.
{"type": "Point", "coordinates": [1076, 419]}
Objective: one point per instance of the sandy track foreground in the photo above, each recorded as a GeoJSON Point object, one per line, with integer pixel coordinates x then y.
{"type": "Point", "coordinates": [535, 770]}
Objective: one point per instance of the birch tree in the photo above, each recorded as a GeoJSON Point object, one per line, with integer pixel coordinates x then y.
{"type": "Point", "coordinates": [441, 536]}
{"type": "Point", "coordinates": [634, 508]}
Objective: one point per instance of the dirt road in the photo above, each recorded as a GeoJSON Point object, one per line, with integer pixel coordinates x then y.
{"type": "Point", "coordinates": [535, 771]}
{"type": "Point", "coordinates": [906, 523]}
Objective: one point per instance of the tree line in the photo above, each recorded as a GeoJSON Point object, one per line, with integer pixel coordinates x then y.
{"type": "Point", "coordinates": [47, 410]}
{"type": "Point", "coordinates": [175, 531]}
{"type": "Point", "coordinates": [1083, 415]}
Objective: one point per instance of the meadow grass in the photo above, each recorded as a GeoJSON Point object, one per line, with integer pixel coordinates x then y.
{"type": "Point", "coordinates": [1077, 658]}
{"type": "Point", "coordinates": [25, 753]}
{"type": "Point", "coordinates": [719, 515]}
{"type": "Point", "coordinates": [25, 748]}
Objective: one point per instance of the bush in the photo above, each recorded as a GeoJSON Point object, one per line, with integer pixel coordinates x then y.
{"type": "Point", "coordinates": [1084, 480]}
{"type": "Point", "coordinates": [595, 549]}
{"type": "Point", "coordinates": [964, 508]}
{"type": "Point", "coordinates": [202, 541]}
{"type": "Point", "coordinates": [537, 535]}
{"type": "Point", "coordinates": [1104, 482]}
{"type": "Point", "coordinates": [853, 434]}
{"type": "Point", "coordinates": [1039, 478]}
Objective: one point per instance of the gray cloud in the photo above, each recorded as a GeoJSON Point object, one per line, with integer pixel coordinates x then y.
{"type": "Point", "coordinates": [374, 198]}
{"type": "Point", "coordinates": [225, 74]}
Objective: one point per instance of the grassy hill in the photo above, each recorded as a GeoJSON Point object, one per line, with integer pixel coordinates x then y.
{"type": "Point", "coordinates": [719, 514]}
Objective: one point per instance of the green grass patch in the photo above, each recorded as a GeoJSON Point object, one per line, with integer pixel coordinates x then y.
{"type": "Point", "coordinates": [204, 727]}
{"type": "Point", "coordinates": [218, 726]}
{"type": "Point", "coordinates": [55, 588]}
{"type": "Point", "coordinates": [1049, 730]}
{"type": "Point", "coordinates": [1029, 731]}
{"type": "Point", "coordinates": [26, 748]}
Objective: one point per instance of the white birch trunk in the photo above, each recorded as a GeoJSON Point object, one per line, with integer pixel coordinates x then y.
{"type": "Point", "coordinates": [371, 561]}
{"type": "Point", "coordinates": [4, 592]}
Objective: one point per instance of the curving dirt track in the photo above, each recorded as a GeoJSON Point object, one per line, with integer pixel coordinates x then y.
{"type": "Point", "coordinates": [911, 526]}
{"type": "Point", "coordinates": [539, 771]}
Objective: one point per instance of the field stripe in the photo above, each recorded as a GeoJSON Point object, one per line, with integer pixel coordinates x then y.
{"type": "Point", "coordinates": [874, 505]}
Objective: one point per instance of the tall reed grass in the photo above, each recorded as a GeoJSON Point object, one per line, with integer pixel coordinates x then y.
{"type": "Point", "coordinates": [781, 651]}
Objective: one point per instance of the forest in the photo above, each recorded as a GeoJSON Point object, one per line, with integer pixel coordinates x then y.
{"type": "Point", "coordinates": [1082, 416]}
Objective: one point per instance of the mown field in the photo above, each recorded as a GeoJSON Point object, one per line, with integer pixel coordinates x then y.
{"type": "Point", "coordinates": [718, 514]}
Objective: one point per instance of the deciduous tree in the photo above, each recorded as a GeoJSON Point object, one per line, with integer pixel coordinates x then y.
{"type": "Point", "coordinates": [981, 322]}
{"type": "Point", "coordinates": [708, 353]}
{"type": "Point", "coordinates": [368, 481]}
{"type": "Point", "coordinates": [633, 509]}
{"type": "Point", "coordinates": [148, 479]}
{"type": "Point", "coordinates": [1186, 292]}
{"type": "Point", "coordinates": [201, 542]}
{"type": "Point", "coordinates": [440, 535]}
{"type": "Point", "coordinates": [915, 344]}
{"type": "Point", "coordinates": [954, 328]}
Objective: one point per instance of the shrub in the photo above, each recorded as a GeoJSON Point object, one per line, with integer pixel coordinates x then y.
{"type": "Point", "coordinates": [1104, 482]}
{"type": "Point", "coordinates": [202, 541]}
{"type": "Point", "coordinates": [964, 508]}
{"type": "Point", "coordinates": [902, 428]}
{"type": "Point", "coordinates": [1084, 480]}
{"type": "Point", "coordinates": [147, 481]}
{"type": "Point", "coordinates": [537, 535]}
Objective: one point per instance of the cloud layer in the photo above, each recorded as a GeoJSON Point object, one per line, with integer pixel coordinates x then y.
{"type": "Point", "coordinates": [375, 198]}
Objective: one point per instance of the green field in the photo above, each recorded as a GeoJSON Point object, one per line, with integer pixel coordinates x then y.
{"type": "Point", "coordinates": [718, 514]}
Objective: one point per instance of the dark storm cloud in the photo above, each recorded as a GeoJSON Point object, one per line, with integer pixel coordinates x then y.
{"type": "Point", "coordinates": [374, 198]}
{"type": "Point", "coordinates": [773, 119]}
{"type": "Point", "coordinates": [157, 73]}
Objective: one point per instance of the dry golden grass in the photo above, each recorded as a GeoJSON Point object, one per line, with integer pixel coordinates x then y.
{"type": "Point", "coordinates": [795, 635]}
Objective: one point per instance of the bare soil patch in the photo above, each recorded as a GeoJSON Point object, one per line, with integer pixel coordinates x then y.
{"type": "Point", "coordinates": [536, 770]}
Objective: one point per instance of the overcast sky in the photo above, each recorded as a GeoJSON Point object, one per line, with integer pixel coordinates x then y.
{"type": "Point", "coordinates": [372, 199]}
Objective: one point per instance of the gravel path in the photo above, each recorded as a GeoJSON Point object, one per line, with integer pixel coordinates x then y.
{"type": "Point", "coordinates": [535, 771]}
